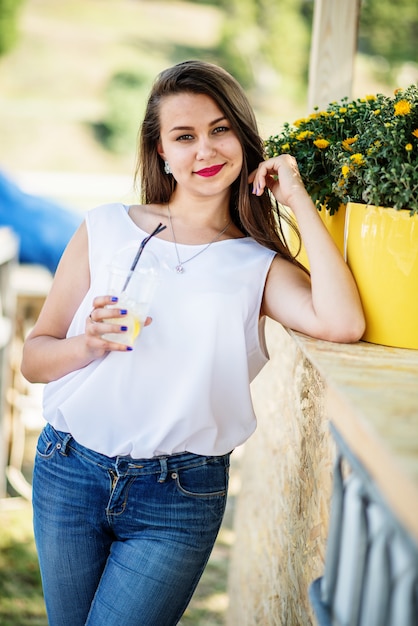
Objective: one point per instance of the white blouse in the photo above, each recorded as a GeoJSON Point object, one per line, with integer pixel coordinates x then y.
{"type": "Point", "coordinates": [186, 384]}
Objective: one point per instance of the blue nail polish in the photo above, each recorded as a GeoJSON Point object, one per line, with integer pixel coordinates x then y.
{"type": "Point", "coordinates": [123, 311]}
{"type": "Point", "coordinates": [129, 348]}
{"type": "Point", "coordinates": [124, 328]}
{"type": "Point", "coordinates": [114, 299]}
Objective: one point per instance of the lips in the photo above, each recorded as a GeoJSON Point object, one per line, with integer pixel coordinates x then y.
{"type": "Point", "coordinates": [210, 171]}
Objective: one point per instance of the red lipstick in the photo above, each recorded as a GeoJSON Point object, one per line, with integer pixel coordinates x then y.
{"type": "Point", "coordinates": [210, 171]}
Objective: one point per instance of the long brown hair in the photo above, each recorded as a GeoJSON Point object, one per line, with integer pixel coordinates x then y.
{"type": "Point", "coordinates": [256, 216]}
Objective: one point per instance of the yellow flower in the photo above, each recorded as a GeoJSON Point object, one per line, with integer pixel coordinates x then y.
{"type": "Point", "coordinates": [357, 158]}
{"type": "Point", "coordinates": [300, 121]}
{"type": "Point", "coordinates": [349, 142]}
{"type": "Point", "coordinates": [403, 107]}
{"type": "Point", "coordinates": [415, 132]}
{"type": "Point", "coordinates": [305, 134]}
{"type": "Point", "coordinates": [321, 143]}
{"type": "Point", "coordinates": [376, 112]}
{"type": "Point", "coordinates": [343, 110]}
{"type": "Point", "coordinates": [370, 98]}
{"type": "Point", "coordinates": [315, 116]}
{"type": "Point", "coordinates": [345, 170]}
{"type": "Point", "coordinates": [285, 147]}
{"type": "Point", "coordinates": [408, 147]}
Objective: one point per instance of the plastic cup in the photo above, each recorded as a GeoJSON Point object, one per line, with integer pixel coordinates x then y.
{"type": "Point", "coordinates": [135, 291]}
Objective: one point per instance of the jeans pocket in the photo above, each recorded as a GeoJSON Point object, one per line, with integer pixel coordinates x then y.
{"type": "Point", "coordinates": [48, 443]}
{"type": "Point", "coordinates": [208, 480]}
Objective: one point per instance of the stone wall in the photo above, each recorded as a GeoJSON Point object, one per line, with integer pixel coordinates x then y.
{"type": "Point", "coordinates": [281, 518]}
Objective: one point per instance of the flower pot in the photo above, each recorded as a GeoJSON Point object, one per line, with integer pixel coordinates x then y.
{"type": "Point", "coordinates": [381, 249]}
{"type": "Point", "coordinates": [335, 226]}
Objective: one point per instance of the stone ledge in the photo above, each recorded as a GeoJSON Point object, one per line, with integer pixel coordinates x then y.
{"type": "Point", "coordinates": [372, 398]}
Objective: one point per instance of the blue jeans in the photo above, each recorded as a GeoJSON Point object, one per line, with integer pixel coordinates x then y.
{"type": "Point", "coordinates": [122, 541]}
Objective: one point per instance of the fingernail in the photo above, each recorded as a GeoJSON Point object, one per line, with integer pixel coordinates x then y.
{"type": "Point", "coordinates": [129, 348]}
{"type": "Point", "coordinates": [124, 328]}
{"type": "Point", "coordinates": [123, 311]}
{"type": "Point", "coordinates": [114, 299]}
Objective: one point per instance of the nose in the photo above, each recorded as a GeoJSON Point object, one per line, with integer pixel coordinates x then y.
{"type": "Point", "coordinates": [205, 149]}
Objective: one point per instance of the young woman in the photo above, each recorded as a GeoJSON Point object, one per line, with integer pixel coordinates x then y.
{"type": "Point", "coordinates": [131, 470]}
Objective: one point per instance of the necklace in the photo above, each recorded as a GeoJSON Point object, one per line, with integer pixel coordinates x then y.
{"type": "Point", "coordinates": [180, 264]}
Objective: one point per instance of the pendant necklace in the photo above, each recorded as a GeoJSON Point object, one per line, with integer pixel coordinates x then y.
{"type": "Point", "coordinates": [180, 263]}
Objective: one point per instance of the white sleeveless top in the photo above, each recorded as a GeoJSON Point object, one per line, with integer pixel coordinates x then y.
{"type": "Point", "coordinates": [186, 384]}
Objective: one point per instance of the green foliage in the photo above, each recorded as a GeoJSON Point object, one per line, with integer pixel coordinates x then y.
{"type": "Point", "coordinates": [259, 33]}
{"type": "Point", "coordinates": [125, 100]}
{"type": "Point", "coordinates": [389, 30]}
{"type": "Point", "coordinates": [384, 167]}
{"type": "Point", "coordinates": [365, 150]}
{"type": "Point", "coordinates": [8, 23]}
{"type": "Point", "coordinates": [312, 141]}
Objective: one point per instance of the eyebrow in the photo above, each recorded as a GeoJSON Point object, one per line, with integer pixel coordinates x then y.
{"type": "Point", "coordinates": [177, 128]}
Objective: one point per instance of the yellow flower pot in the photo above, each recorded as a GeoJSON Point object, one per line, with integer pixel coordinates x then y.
{"type": "Point", "coordinates": [381, 249]}
{"type": "Point", "coordinates": [335, 226]}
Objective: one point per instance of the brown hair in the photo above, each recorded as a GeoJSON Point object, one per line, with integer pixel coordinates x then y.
{"type": "Point", "coordinates": [256, 216]}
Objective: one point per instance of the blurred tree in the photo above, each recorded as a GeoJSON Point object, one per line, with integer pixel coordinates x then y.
{"type": "Point", "coordinates": [260, 35]}
{"type": "Point", "coordinates": [8, 23]}
{"type": "Point", "coordinates": [389, 30]}
{"type": "Point", "coordinates": [117, 131]}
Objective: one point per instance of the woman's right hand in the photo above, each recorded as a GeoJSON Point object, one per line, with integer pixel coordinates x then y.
{"type": "Point", "coordinates": [98, 324]}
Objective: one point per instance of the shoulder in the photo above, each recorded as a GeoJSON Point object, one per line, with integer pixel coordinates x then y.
{"type": "Point", "coordinates": [102, 210]}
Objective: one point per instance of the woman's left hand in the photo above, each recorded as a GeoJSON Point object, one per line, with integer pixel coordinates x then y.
{"type": "Point", "coordinates": [281, 176]}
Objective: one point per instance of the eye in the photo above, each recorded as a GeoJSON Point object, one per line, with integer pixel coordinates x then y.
{"type": "Point", "coordinates": [220, 129]}
{"type": "Point", "coordinates": [184, 138]}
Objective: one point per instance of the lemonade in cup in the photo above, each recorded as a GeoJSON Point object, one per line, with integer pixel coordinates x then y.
{"type": "Point", "coordinates": [134, 290]}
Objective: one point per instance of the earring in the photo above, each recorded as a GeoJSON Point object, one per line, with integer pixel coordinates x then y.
{"type": "Point", "coordinates": [167, 168]}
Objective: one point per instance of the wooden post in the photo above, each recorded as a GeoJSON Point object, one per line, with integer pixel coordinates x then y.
{"type": "Point", "coordinates": [333, 50]}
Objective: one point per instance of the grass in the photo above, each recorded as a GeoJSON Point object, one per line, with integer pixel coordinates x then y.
{"type": "Point", "coordinates": [21, 600]}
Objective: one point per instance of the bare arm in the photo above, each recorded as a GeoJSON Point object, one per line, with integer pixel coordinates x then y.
{"type": "Point", "coordinates": [326, 305]}
{"type": "Point", "coordinates": [47, 353]}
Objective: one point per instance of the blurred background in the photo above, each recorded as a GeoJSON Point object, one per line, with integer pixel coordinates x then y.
{"type": "Point", "coordinates": [74, 77]}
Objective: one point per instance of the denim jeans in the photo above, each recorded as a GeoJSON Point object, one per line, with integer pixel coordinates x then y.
{"type": "Point", "coordinates": [122, 541]}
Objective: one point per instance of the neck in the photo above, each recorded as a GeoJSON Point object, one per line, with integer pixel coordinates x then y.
{"type": "Point", "coordinates": [199, 213]}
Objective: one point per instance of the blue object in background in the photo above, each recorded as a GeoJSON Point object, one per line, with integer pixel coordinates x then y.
{"type": "Point", "coordinates": [43, 227]}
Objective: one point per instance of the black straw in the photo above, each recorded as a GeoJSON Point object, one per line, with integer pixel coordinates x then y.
{"type": "Point", "coordinates": [143, 243]}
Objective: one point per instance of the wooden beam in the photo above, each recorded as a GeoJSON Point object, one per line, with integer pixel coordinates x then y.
{"type": "Point", "coordinates": [333, 50]}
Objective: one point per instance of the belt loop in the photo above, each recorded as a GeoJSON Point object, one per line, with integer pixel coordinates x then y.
{"type": "Point", "coordinates": [64, 444]}
{"type": "Point", "coordinates": [164, 469]}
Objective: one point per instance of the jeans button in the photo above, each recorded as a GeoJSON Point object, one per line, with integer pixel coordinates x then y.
{"type": "Point", "coordinates": [174, 475]}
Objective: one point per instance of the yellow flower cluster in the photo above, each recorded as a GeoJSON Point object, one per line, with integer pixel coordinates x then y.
{"type": "Point", "coordinates": [364, 150]}
{"type": "Point", "coordinates": [321, 143]}
{"type": "Point", "coordinates": [305, 134]}
{"type": "Point", "coordinates": [403, 107]}
{"type": "Point", "coordinates": [357, 159]}
{"type": "Point", "coordinates": [346, 143]}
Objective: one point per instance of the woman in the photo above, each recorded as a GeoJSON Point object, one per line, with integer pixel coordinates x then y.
{"type": "Point", "coordinates": [131, 471]}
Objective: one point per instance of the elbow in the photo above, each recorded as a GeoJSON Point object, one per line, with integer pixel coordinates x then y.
{"type": "Point", "coordinates": [27, 370]}
{"type": "Point", "coordinates": [350, 332]}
